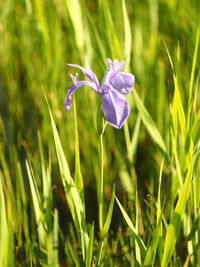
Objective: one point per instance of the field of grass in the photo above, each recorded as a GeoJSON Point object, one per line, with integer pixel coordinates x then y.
{"type": "Point", "coordinates": [71, 192]}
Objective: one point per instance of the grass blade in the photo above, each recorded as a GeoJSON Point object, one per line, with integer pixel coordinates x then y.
{"type": "Point", "coordinates": [75, 12]}
{"type": "Point", "coordinates": [127, 37]}
{"type": "Point", "coordinates": [90, 247]}
{"type": "Point", "coordinates": [134, 139]}
{"type": "Point", "coordinates": [149, 123]}
{"type": "Point", "coordinates": [109, 215]}
{"type": "Point", "coordinates": [151, 252]}
{"type": "Point", "coordinates": [53, 258]}
{"type": "Point", "coordinates": [194, 63]}
{"type": "Point", "coordinates": [110, 29]}
{"type": "Point", "coordinates": [134, 231]}
{"type": "Point", "coordinates": [3, 228]}
{"type": "Point", "coordinates": [74, 200]}
{"type": "Point", "coordinates": [78, 174]}
{"type": "Point", "coordinates": [6, 238]}
{"type": "Point", "coordinates": [36, 204]}
{"type": "Point", "coordinates": [177, 106]}
{"type": "Point", "coordinates": [173, 228]}
{"type": "Point", "coordinates": [177, 110]}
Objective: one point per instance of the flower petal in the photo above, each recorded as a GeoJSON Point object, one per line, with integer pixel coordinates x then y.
{"type": "Point", "coordinates": [73, 88]}
{"type": "Point", "coordinates": [88, 73]}
{"type": "Point", "coordinates": [115, 64]}
{"type": "Point", "coordinates": [122, 82]}
{"type": "Point", "coordinates": [110, 63]}
{"type": "Point", "coordinates": [115, 108]}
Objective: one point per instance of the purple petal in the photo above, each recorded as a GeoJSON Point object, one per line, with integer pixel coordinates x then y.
{"type": "Point", "coordinates": [110, 73]}
{"type": "Point", "coordinates": [117, 66]}
{"type": "Point", "coordinates": [110, 63]}
{"type": "Point", "coordinates": [115, 108]}
{"type": "Point", "coordinates": [88, 73]}
{"type": "Point", "coordinates": [113, 69]}
{"type": "Point", "coordinates": [122, 82]}
{"type": "Point", "coordinates": [73, 88]}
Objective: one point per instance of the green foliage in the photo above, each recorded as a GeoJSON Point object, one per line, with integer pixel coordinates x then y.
{"type": "Point", "coordinates": [73, 190]}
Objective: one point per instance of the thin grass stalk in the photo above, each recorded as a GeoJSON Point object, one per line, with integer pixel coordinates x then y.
{"type": "Point", "coordinates": [78, 175]}
{"type": "Point", "coordinates": [194, 63]}
{"type": "Point", "coordinates": [101, 186]}
{"type": "Point", "coordinates": [130, 154]}
{"type": "Point", "coordinates": [134, 231]}
{"type": "Point", "coordinates": [100, 253]}
{"type": "Point", "coordinates": [173, 228]}
{"type": "Point", "coordinates": [73, 197]}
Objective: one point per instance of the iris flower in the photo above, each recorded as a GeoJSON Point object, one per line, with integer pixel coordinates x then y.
{"type": "Point", "coordinates": [115, 84]}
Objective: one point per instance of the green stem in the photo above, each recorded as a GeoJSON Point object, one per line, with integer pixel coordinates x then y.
{"type": "Point", "coordinates": [101, 185]}
{"type": "Point", "coordinates": [100, 253]}
{"type": "Point", "coordinates": [127, 140]}
{"type": "Point", "coordinates": [78, 175]}
{"type": "Point", "coordinates": [134, 180]}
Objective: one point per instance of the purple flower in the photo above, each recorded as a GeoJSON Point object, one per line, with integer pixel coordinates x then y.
{"type": "Point", "coordinates": [115, 84]}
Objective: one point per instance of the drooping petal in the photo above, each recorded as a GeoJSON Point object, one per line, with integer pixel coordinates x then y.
{"type": "Point", "coordinates": [73, 88]}
{"type": "Point", "coordinates": [115, 108]}
{"type": "Point", "coordinates": [122, 82]}
{"type": "Point", "coordinates": [88, 73]}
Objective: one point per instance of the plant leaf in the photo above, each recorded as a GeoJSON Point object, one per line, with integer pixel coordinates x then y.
{"type": "Point", "coordinates": [149, 123]}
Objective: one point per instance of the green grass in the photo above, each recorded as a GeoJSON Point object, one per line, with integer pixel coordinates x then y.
{"type": "Point", "coordinates": [77, 192]}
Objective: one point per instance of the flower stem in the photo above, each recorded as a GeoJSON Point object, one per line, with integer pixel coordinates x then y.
{"type": "Point", "coordinates": [101, 185]}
